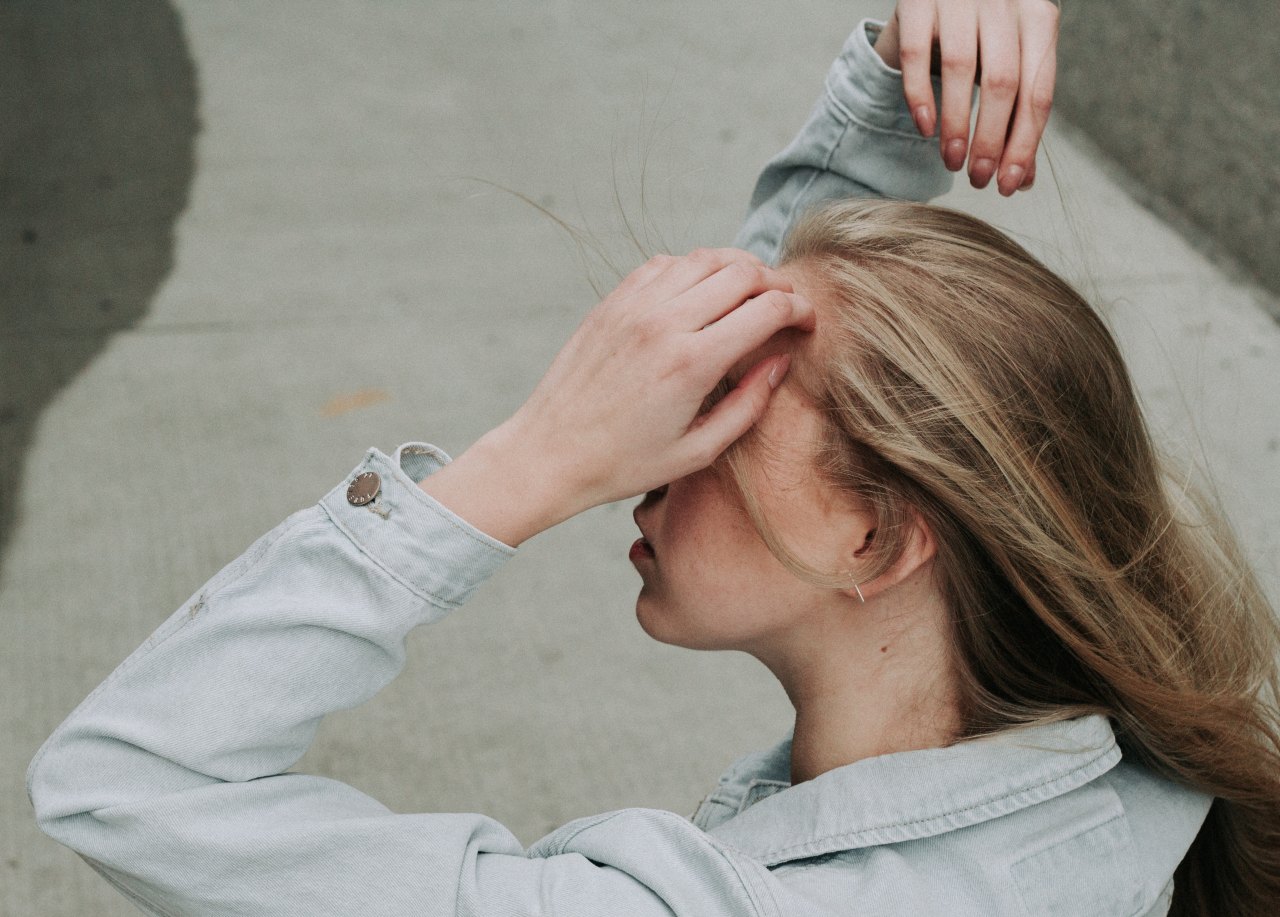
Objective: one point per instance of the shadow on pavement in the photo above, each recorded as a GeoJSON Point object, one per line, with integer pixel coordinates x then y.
{"type": "Point", "coordinates": [98, 107]}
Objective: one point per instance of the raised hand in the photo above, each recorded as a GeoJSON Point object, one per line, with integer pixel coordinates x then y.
{"type": "Point", "coordinates": [619, 411]}
{"type": "Point", "coordinates": [1012, 44]}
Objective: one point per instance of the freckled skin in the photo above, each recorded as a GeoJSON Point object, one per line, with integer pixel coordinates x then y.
{"type": "Point", "coordinates": [714, 583]}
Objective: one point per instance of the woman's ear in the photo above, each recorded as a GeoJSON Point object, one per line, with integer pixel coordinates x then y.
{"type": "Point", "coordinates": [918, 549]}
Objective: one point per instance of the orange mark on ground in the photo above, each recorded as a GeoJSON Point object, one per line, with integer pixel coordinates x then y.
{"type": "Point", "coordinates": [345, 404]}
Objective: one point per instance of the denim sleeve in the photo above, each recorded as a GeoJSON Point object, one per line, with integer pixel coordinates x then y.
{"type": "Point", "coordinates": [170, 779]}
{"type": "Point", "coordinates": [859, 141]}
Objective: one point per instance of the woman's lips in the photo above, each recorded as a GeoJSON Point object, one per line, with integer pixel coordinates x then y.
{"type": "Point", "coordinates": [641, 549]}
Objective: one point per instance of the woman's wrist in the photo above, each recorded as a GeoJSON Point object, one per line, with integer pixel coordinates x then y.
{"type": "Point", "coordinates": [885, 43]}
{"type": "Point", "coordinates": [498, 487]}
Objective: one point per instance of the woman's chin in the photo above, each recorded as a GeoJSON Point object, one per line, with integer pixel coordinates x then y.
{"type": "Point", "coordinates": [647, 616]}
{"type": "Point", "coordinates": [654, 620]}
{"type": "Point", "coordinates": [658, 622]}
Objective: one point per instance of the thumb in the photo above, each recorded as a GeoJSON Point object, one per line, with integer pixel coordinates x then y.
{"type": "Point", "coordinates": [738, 411]}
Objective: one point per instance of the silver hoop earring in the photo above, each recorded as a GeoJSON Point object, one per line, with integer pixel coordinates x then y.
{"type": "Point", "coordinates": [859, 591]}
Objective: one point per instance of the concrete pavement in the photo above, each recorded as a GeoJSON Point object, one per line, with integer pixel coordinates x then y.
{"type": "Point", "coordinates": [1182, 95]}
{"type": "Point", "coordinates": [330, 275]}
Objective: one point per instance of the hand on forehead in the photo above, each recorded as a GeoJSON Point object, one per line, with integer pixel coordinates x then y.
{"type": "Point", "coordinates": [790, 340]}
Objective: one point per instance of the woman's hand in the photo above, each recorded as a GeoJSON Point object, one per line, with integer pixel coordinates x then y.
{"type": "Point", "coordinates": [618, 412]}
{"type": "Point", "coordinates": [1014, 42]}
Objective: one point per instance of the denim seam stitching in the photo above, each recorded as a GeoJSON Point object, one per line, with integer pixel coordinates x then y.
{"type": "Point", "coordinates": [1119, 816]}
{"type": "Point", "coordinates": [1084, 767]}
{"type": "Point", "coordinates": [849, 115]}
{"type": "Point", "coordinates": [724, 800]}
{"type": "Point", "coordinates": [826, 163]}
{"type": "Point", "coordinates": [725, 849]}
{"type": "Point", "coordinates": [422, 592]}
{"type": "Point", "coordinates": [562, 845]}
{"type": "Point", "coordinates": [748, 885]}
{"type": "Point", "coordinates": [756, 891]}
{"type": "Point", "coordinates": [1143, 906]}
{"type": "Point", "coordinates": [436, 508]}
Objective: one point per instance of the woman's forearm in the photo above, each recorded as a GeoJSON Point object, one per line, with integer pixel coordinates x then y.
{"type": "Point", "coordinates": [170, 778]}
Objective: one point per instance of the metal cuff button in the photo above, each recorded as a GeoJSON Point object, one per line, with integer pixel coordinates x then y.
{"type": "Point", "coordinates": [364, 488]}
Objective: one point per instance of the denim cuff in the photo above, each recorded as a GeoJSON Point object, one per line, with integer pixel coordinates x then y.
{"type": "Point", "coordinates": [869, 90]}
{"type": "Point", "coordinates": [414, 537]}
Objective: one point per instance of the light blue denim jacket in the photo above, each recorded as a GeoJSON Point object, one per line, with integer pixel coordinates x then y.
{"type": "Point", "coordinates": [170, 779]}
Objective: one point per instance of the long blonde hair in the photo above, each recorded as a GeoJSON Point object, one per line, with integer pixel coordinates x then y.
{"type": "Point", "coordinates": [960, 379]}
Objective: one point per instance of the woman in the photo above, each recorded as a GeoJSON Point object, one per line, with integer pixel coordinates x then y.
{"type": "Point", "coordinates": [904, 468]}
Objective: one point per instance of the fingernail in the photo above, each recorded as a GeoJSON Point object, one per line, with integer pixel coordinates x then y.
{"type": "Point", "coordinates": [779, 370]}
{"type": "Point", "coordinates": [924, 120]}
{"type": "Point", "coordinates": [1011, 179]}
{"type": "Point", "coordinates": [954, 156]}
{"type": "Point", "coordinates": [980, 172]}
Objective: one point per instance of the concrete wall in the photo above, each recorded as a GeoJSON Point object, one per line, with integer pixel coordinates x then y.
{"type": "Point", "coordinates": [1184, 95]}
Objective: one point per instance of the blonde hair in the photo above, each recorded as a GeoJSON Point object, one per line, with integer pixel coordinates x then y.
{"type": "Point", "coordinates": [960, 379]}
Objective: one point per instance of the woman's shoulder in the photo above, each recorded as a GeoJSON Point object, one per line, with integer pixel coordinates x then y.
{"type": "Point", "coordinates": [1048, 819]}
{"type": "Point", "coordinates": [748, 779]}
{"type": "Point", "coordinates": [1055, 821]}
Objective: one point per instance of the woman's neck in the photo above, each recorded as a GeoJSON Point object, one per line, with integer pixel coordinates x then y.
{"type": "Point", "coordinates": [869, 679]}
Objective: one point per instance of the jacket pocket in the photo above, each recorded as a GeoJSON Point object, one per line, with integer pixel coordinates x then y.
{"type": "Point", "coordinates": [1089, 873]}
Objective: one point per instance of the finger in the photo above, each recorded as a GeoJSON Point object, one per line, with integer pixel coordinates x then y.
{"type": "Point", "coordinates": [916, 27]}
{"type": "Point", "coordinates": [958, 38]}
{"type": "Point", "coordinates": [686, 272]}
{"type": "Point", "coordinates": [998, 45]}
{"type": "Point", "coordinates": [750, 325]}
{"type": "Point", "coordinates": [726, 290]}
{"type": "Point", "coordinates": [1035, 97]}
{"type": "Point", "coordinates": [643, 275]}
{"type": "Point", "coordinates": [711, 433]}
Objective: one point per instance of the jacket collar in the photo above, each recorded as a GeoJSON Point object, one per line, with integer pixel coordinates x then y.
{"type": "Point", "coordinates": [907, 795]}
